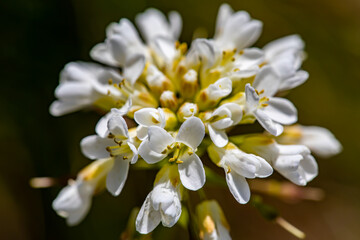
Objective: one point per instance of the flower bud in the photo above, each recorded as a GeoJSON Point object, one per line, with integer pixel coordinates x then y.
{"type": "Point", "coordinates": [212, 222]}
{"type": "Point", "coordinates": [169, 100]}
{"type": "Point", "coordinates": [211, 95]}
{"type": "Point", "coordinates": [187, 110]}
{"type": "Point", "coordinates": [157, 81]}
{"type": "Point", "coordinates": [170, 119]}
{"type": "Point", "coordinates": [189, 84]}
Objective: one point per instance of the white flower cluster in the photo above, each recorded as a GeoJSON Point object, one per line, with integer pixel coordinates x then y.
{"type": "Point", "coordinates": [185, 102]}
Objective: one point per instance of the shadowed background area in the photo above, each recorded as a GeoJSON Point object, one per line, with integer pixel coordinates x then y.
{"type": "Point", "coordinates": [39, 37]}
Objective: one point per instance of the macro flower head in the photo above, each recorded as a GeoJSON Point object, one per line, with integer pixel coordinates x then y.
{"type": "Point", "coordinates": [165, 104]}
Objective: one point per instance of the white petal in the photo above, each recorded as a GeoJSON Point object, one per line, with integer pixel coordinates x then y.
{"type": "Point", "coordinates": [192, 173]}
{"type": "Point", "coordinates": [288, 162]}
{"type": "Point", "coordinates": [101, 52]}
{"type": "Point", "coordinates": [221, 88]}
{"type": "Point", "coordinates": [117, 176]}
{"type": "Point", "coordinates": [267, 80]}
{"type": "Point", "coordinates": [74, 90]}
{"type": "Point", "coordinates": [269, 125]}
{"type": "Point", "coordinates": [250, 58]}
{"type": "Point", "coordinates": [279, 45]}
{"type": "Point", "coordinates": [201, 49]}
{"type": "Point", "coordinates": [265, 170]}
{"type": "Point", "coordinates": [238, 187]}
{"type": "Point", "coordinates": [299, 78]}
{"type": "Point", "coordinates": [165, 47]}
{"type": "Point", "coordinates": [141, 132]}
{"type": "Point", "coordinates": [149, 117]}
{"type": "Point", "coordinates": [175, 24]}
{"type": "Point", "coordinates": [152, 23]}
{"type": "Point", "coordinates": [147, 218]}
{"type": "Point", "coordinates": [159, 139]}
{"type": "Point", "coordinates": [297, 177]}
{"type": "Point", "coordinates": [191, 132]}
{"type": "Point", "coordinates": [310, 167]}
{"type": "Point", "coordinates": [73, 202]}
{"type": "Point", "coordinates": [94, 147]}
{"type": "Point", "coordinates": [133, 67]}
{"type": "Point", "coordinates": [219, 137]}
{"type": "Point", "coordinates": [148, 155]}
{"type": "Point", "coordinates": [248, 34]}
{"type": "Point", "coordinates": [252, 98]}
{"type": "Point", "coordinates": [236, 112]}
{"type": "Point", "coordinates": [118, 48]}
{"type": "Point", "coordinates": [135, 154]}
{"type": "Point", "coordinates": [320, 140]}
{"type": "Point", "coordinates": [117, 126]}
{"type": "Point", "coordinates": [281, 110]}
{"type": "Point", "coordinates": [225, 11]}
{"type": "Point", "coordinates": [101, 128]}
{"type": "Point", "coordinates": [59, 108]}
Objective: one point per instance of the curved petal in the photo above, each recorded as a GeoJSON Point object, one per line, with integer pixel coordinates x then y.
{"type": "Point", "coordinates": [267, 80]}
{"type": "Point", "coordinates": [281, 110]}
{"type": "Point", "coordinates": [310, 167]}
{"type": "Point", "coordinates": [288, 162]}
{"type": "Point", "coordinates": [248, 34]}
{"type": "Point", "coordinates": [191, 132]}
{"type": "Point", "coordinates": [149, 117]}
{"type": "Point", "coordinates": [269, 125]}
{"type": "Point", "coordinates": [118, 48]}
{"type": "Point", "coordinates": [135, 153]}
{"type": "Point", "coordinates": [101, 128]}
{"type": "Point", "coordinates": [117, 176]}
{"type": "Point", "coordinates": [238, 186]}
{"type": "Point", "coordinates": [102, 53]}
{"type": "Point", "coordinates": [148, 155]}
{"type": "Point", "coordinates": [192, 173]}
{"type": "Point", "coordinates": [133, 67]}
{"type": "Point", "coordinates": [159, 139]}
{"type": "Point", "coordinates": [219, 137]}
{"type": "Point", "coordinates": [165, 47]}
{"type": "Point", "coordinates": [252, 98]}
{"type": "Point", "coordinates": [282, 44]}
{"type": "Point", "coordinates": [299, 78]}
{"type": "Point", "coordinates": [94, 147]}
{"type": "Point", "coordinates": [59, 108]}
{"type": "Point", "coordinates": [175, 23]}
{"type": "Point", "coordinates": [117, 126]}
{"type": "Point", "coordinates": [147, 219]}
{"type": "Point", "coordinates": [265, 169]}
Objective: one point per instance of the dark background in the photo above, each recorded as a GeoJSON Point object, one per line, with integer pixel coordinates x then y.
{"type": "Point", "coordinates": [39, 37]}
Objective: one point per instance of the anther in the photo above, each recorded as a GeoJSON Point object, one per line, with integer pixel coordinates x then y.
{"type": "Point", "coordinates": [229, 170]}
{"type": "Point", "coordinates": [179, 161]}
{"type": "Point", "coordinates": [110, 81]}
{"type": "Point", "coordinates": [125, 157]}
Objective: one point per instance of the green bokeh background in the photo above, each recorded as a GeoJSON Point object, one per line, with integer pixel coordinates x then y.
{"type": "Point", "coordinates": [39, 37]}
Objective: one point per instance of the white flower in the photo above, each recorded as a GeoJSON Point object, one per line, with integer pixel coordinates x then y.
{"type": "Point", "coordinates": [118, 145]}
{"type": "Point", "coordinates": [223, 117]}
{"type": "Point", "coordinates": [271, 112]}
{"type": "Point", "coordinates": [161, 205]}
{"type": "Point", "coordinates": [294, 162]}
{"type": "Point", "coordinates": [238, 166]}
{"type": "Point", "coordinates": [160, 144]}
{"type": "Point", "coordinates": [235, 30]}
{"type": "Point", "coordinates": [147, 117]}
{"type": "Point", "coordinates": [81, 85]}
{"type": "Point", "coordinates": [285, 55]}
{"type": "Point", "coordinates": [212, 222]}
{"type": "Point", "coordinates": [319, 140]}
{"type": "Point", "coordinates": [122, 48]}
{"type": "Point", "coordinates": [74, 201]}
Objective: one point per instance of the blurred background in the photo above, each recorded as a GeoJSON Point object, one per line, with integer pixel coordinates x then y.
{"type": "Point", "coordinates": [39, 37]}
